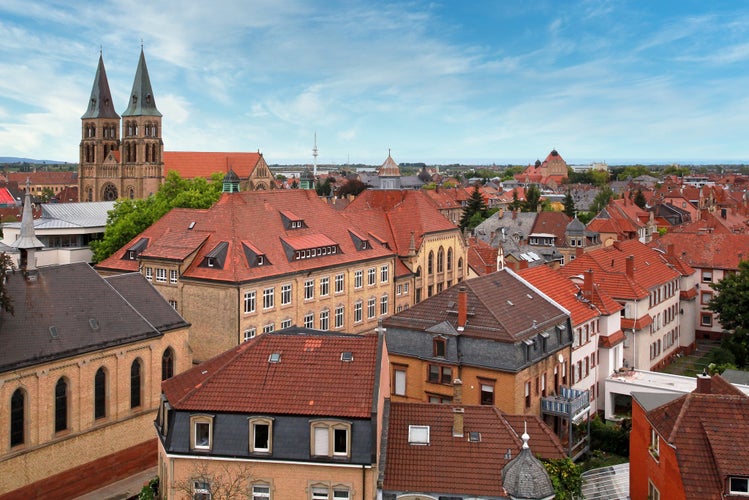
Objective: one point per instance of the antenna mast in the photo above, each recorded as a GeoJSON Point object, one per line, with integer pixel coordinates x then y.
{"type": "Point", "coordinates": [314, 154]}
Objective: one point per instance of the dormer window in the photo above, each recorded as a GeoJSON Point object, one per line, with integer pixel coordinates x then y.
{"type": "Point", "coordinates": [255, 257]}
{"type": "Point", "coordinates": [291, 220]}
{"type": "Point", "coordinates": [217, 256]}
{"type": "Point", "coordinates": [440, 347]}
{"type": "Point", "coordinates": [360, 242]}
{"type": "Point", "coordinates": [134, 251]}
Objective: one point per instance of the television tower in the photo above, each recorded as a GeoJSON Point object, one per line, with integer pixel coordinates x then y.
{"type": "Point", "coordinates": [314, 154]}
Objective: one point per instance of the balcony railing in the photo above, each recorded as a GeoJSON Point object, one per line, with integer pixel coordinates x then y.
{"type": "Point", "coordinates": [569, 403]}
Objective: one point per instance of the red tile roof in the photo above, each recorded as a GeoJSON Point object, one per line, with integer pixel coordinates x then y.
{"type": "Point", "coordinates": [563, 291]}
{"type": "Point", "coordinates": [306, 381]}
{"type": "Point", "coordinates": [396, 214]}
{"type": "Point", "coordinates": [706, 429]}
{"type": "Point", "coordinates": [482, 257]}
{"type": "Point", "coordinates": [253, 217]}
{"type": "Point", "coordinates": [501, 307]}
{"type": "Point", "coordinates": [651, 269]}
{"type": "Point", "coordinates": [56, 177]}
{"type": "Point", "coordinates": [455, 465]}
{"type": "Point", "coordinates": [707, 250]}
{"type": "Point", "coordinates": [190, 164]}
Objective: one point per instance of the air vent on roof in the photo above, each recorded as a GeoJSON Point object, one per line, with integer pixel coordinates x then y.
{"type": "Point", "coordinates": [93, 323]}
{"type": "Point", "coordinates": [53, 332]}
{"type": "Point", "coordinates": [347, 356]}
{"type": "Point", "coordinates": [192, 225]}
{"type": "Point", "coordinates": [274, 357]}
{"type": "Point", "coordinates": [509, 302]}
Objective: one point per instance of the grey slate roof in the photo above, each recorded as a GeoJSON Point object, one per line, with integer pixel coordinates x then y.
{"type": "Point", "coordinates": [87, 312]}
{"type": "Point", "coordinates": [142, 101]}
{"type": "Point", "coordinates": [71, 215]}
{"type": "Point", "coordinates": [100, 103]}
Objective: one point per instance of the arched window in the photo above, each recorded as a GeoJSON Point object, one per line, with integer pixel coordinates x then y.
{"type": "Point", "coordinates": [109, 192]}
{"type": "Point", "coordinates": [449, 259]}
{"type": "Point", "coordinates": [167, 364]}
{"type": "Point", "coordinates": [90, 194]}
{"type": "Point", "coordinates": [440, 260]}
{"type": "Point", "coordinates": [430, 263]}
{"type": "Point", "coordinates": [61, 405]}
{"type": "Point", "coordinates": [460, 264]}
{"type": "Point", "coordinates": [100, 394]}
{"type": "Point", "coordinates": [135, 385]}
{"type": "Point", "coordinates": [131, 193]}
{"type": "Point", "coordinates": [17, 417]}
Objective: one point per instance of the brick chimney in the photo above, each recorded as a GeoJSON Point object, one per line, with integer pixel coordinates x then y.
{"type": "Point", "coordinates": [458, 411]}
{"type": "Point", "coordinates": [670, 250]}
{"type": "Point", "coordinates": [462, 307]}
{"type": "Point", "coordinates": [630, 262]}
{"type": "Point", "coordinates": [704, 383]}
{"type": "Point", "coordinates": [588, 284]}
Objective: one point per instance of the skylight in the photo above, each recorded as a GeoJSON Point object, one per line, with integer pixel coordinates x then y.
{"type": "Point", "coordinates": [418, 434]}
{"type": "Point", "coordinates": [347, 356]}
{"type": "Point", "coordinates": [274, 357]}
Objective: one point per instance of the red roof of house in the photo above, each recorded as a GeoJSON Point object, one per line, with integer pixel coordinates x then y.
{"type": "Point", "coordinates": [54, 177]}
{"type": "Point", "coordinates": [396, 214]}
{"type": "Point", "coordinates": [482, 257]}
{"type": "Point", "coordinates": [502, 307]}
{"type": "Point", "coordinates": [456, 465]}
{"type": "Point", "coordinates": [651, 269]}
{"type": "Point", "coordinates": [307, 379]}
{"type": "Point", "coordinates": [255, 217]}
{"type": "Point", "coordinates": [706, 429]}
{"type": "Point", "coordinates": [190, 164]}
{"type": "Point", "coordinates": [6, 198]}
{"type": "Point", "coordinates": [707, 250]}
{"type": "Point", "coordinates": [563, 291]}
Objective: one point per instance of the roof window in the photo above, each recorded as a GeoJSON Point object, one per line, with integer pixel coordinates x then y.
{"type": "Point", "coordinates": [418, 434]}
{"type": "Point", "coordinates": [275, 357]}
{"type": "Point", "coordinates": [217, 256]}
{"type": "Point", "coordinates": [135, 250]}
{"type": "Point", "coordinates": [347, 356]}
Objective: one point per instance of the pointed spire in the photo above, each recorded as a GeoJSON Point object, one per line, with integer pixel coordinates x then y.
{"type": "Point", "coordinates": [100, 103]}
{"type": "Point", "coordinates": [142, 101]}
{"type": "Point", "coordinates": [27, 241]}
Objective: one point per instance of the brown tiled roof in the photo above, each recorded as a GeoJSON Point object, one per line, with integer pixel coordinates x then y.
{"type": "Point", "coordinates": [611, 340]}
{"type": "Point", "coordinates": [309, 379]}
{"type": "Point", "coordinates": [706, 429]}
{"type": "Point", "coordinates": [501, 306]}
{"type": "Point", "coordinates": [651, 269]}
{"type": "Point", "coordinates": [191, 164]}
{"type": "Point", "coordinates": [552, 223]}
{"type": "Point", "coordinates": [707, 250]}
{"type": "Point", "coordinates": [395, 214]}
{"type": "Point", "coordinates": [253, 217]}
{"type": "Point", "coordinates": [455, 465]}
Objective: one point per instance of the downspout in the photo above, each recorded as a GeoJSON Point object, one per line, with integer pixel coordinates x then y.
{"type": "Point", "coordinates": [363, 482]}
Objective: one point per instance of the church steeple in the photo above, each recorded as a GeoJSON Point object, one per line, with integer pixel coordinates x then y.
{"type": "Point", "coordinates": [100, 104]}
{"type": "Point", "coordinates": [142, 102]}
{"type": "Point", "coordinates": [27, 241]}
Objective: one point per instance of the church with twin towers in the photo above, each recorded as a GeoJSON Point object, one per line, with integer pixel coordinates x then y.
{"type": "Point", "coordinates": [123, 156]}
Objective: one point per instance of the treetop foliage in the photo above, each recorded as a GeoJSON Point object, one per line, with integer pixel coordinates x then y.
{"type": "Point", "coordinates": [128, 218]}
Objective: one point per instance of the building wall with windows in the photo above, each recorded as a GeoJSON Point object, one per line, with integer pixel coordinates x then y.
{"type": "Point", "coordinates": [282, 430]}
{"type": "Point", "coordinates": [81, 416]}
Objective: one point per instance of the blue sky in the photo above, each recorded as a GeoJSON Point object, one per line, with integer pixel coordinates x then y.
{"type": "Point", "coordinates": [439, 82]}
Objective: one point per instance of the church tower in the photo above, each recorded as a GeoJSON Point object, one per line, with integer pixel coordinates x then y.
{"type": "Point", "coordinates": [142, 148]}
{"type": "Point", "coordinates": [100, 130]}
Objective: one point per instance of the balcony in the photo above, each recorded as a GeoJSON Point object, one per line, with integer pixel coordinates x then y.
{"type": "Point", "coordinates": [570, 403]}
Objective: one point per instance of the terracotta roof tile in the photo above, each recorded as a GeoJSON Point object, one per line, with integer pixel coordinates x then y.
{"type": "Point", "coordinates": [563, 291]}
{"type": "Point", "coordinates": [305, 381]}
{"type": "Point", "coordinates": [455, 465]}
{"type": "Point", "coordinates": [190, 164]}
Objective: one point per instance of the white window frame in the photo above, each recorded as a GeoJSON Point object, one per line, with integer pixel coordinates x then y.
{"type": "Point", "coordinates": [371, 308]}
{"type": "Point", "coordinates": [249, 334]}
{"type": "Point", "coordinates": [324, 286]}
{"type": "Point", "coordinates": [196, 422]}
{"type": "Point", "coordinates": [325, 319]}
{"type": "Point", "coordinates": [358, 308]}
{"type": "Point", "coordinates": [399, 382]}
{"type": "Point", "coordinates": [173, 277]}
{"type": "Point", "coordinates": [269, 328]}
{"type": "Point", "coordinates": [340, 283]}
{"type": "Point", "coordinates": [254, 423]}
{"type": "Point", "coordinates": [286, 323]}
{"type": "Point", "coordinates": [160, 275]}
{"type": "Point", "coordinates": [309, 289]}
{"type": "Point", "coordinates": [372, 276]}
{"type": "Point", "coordinates": [309, 320]}
{"type": "Point", "coordinates": [744, 485]}
{"type": "Point", "coordinates": [149, 273]}
{"type": "Point", "coordinates": [286, 294]}
{"type": "Point", "coordinates": [384, 307]}
{"type": "Point", "coordinates": [339, 316]}
{"type": "Point", "coordinates": [250, 302]}
{"type": "Point", "coordinates": [327, 430]}
{"type": "Point", "coordinates": [269, 298]}
{"type": "Point", "coordinates": [358, 279]}
{"type": "Point", "coordinates": [384, 273]}
{"type": "Point", "coordinates": [259, 491]}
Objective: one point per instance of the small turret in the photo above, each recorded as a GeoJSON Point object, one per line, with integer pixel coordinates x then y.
{"type": "Point", "coordinates": [27, 242]}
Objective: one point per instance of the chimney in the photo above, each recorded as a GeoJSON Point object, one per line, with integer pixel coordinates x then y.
{"type": "Point", "coordinates": [458, 411]}
{"type": "Point", "coordinates": [670, 250]}
{"type": "Point", "coordinates": [704, 382]}
{"type": "Point", "coordinates": [588, 284]}
{"type": "Point", "coordinates": [631, 266]}
{"type": "Point", "coordinates": [579, 252]}
{"type": "Point", "coordinates": [462, 308]}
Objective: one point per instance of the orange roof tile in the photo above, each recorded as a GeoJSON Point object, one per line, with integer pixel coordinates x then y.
{"type": "Point", "coordinates": [190, 164]}
{"type": "Point", "coordinates": [306, 380]}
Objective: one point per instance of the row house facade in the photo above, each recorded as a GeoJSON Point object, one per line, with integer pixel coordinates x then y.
{"type": "Point", "coordinates": [649, 285]}
{"type": "Point", "coordinates": [713, 256]}
{"type": "Point", "coordinates": [506, 341]}
{"type": "Point", "coordinates": [265, 260]}
{"type": "Point", "coordinates": [597, 337]}
{"type": "Point", "coordinates": [271, 418]}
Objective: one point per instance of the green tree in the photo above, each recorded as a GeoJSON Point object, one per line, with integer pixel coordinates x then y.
{"type": "Point", "coordinates": [731, 302]}
{"type": "Point", "coordinates": [532, 198]}
{"type": "Point", "coordinates": [640, 199]}
{"type": "Point", "coordinates": [602, 199]}
{"type": "Point", "coordinates": [569, 204]}
{"type": "Point", "coordinates": [128, 218]}
{"type": "Point", "coordinates": [324, 188]}
{"type": "Point", "coordinates": [475, 205]}
{"type": "Point", "coordinates": [47, 194]}
{"type": "Point", "coordinates": [566, 477]}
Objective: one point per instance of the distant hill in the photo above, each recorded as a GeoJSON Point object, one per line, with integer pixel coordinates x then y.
{"type": "Point", "coordinates": [14, 159]}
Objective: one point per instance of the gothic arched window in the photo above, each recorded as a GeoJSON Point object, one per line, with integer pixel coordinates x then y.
{"type": "Point", "coordinates": [135, 384]}
{"type": "Point", "coordinates": [100, 394]}
{"type": "Point", "coordinates": [167, 364]}
{"type": "Point", "coordinates": [17, 417]}
{"type": "Point", "coordinates": [61, 405]}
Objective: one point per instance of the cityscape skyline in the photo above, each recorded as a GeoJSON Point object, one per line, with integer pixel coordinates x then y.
{"type": "Point", "coordinates": [433, 82]}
